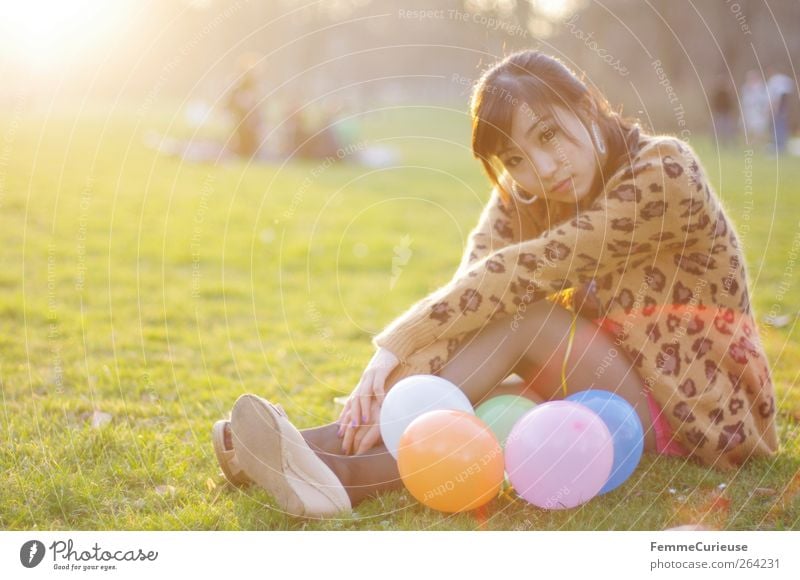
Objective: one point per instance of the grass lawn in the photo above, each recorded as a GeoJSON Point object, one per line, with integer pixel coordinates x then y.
{"type": "Point", "coordinates": [140, 297]}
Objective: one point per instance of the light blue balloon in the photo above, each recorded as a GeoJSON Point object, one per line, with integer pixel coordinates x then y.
{"type": "Point", "coordinates": [626, 431]}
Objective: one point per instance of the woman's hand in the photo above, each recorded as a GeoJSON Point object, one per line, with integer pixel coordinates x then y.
{"type": "Point", "coordinates": [360, 418]}
{"type": "Point", "coordinates": [360, 439]}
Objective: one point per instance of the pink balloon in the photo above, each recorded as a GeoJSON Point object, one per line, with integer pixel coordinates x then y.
{"type": "Point", "coordinates": [559, 455]}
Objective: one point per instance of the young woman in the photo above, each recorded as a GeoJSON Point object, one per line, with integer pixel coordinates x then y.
{"type": "Point", "coordinates": [592, 227]}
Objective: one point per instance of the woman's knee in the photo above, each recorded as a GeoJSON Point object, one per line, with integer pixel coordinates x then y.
{"type": "Point", "coordinates": [534, 313]}
{"type": "Point", "coordinates": [543, 322]}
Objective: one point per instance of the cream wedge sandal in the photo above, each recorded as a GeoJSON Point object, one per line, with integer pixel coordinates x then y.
{"type": "Point", "coordinates": [226, 456]}
{"type": "Point", "coordinates": [274, 455]}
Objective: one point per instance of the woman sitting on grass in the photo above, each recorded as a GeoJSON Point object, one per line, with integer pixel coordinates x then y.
{"type": "Point", "coordinates": [590, 223]}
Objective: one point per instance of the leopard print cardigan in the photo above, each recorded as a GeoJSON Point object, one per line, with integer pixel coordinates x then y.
{"type": "Point", "coordinates": [667, 274]}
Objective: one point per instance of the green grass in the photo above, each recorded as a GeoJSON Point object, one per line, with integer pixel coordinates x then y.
{"type": "Point", "coordinates": [158, 292]}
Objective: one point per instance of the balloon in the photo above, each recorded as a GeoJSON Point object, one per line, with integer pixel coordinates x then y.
{"type": "Point", "coordinates": [559, 455]}
{"type": "Point", "coordinates": [626, 431]}
{"type": "Point", "coordinates": [411, 397]}
{"type": "Point", "coordinates": [502, 412]}
{"type": "Point", "coordinates": [450, 461]}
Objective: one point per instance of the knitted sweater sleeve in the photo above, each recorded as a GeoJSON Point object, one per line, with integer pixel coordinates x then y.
{"type": "Point", "coordinates": [498, 226]}
{"type": "Point", "coordinates": [639, 204]}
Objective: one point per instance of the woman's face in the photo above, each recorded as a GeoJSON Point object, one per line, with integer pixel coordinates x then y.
{"type": "Point", "coordinates": [544, 161]}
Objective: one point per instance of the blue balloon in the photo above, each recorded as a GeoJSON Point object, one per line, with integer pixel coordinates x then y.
{"type": "Point", "coordinates": [625, 427]}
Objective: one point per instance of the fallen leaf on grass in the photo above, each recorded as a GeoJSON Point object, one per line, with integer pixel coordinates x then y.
{"type": "Point", "coordinates": [481, 514]}
{"type": "Point", "coordinates": [707, 508]}
{"type": "Point", "coordinates": [787, 495]}
{"type": "Point", "coordinates": [167, 490]}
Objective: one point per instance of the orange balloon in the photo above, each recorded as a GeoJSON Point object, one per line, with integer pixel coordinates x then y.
{"type": "Point", "coordinates": [450, 461]}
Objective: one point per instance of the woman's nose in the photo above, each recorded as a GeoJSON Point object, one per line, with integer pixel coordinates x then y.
{"type": "Point", "coordinates": [544, 164]}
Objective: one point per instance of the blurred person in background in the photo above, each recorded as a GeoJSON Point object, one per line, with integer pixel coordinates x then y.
{"type": "Point", "coordinates": [242, 105]}
{"type": "Point", "coordinates": [755, 108]}
{"type": "Point", "coordinates": [723, 113]}
{"type": "Point", "coordinates": [779, 88]}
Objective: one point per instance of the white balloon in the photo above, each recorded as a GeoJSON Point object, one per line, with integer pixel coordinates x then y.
{"type": "Point", "coordinates": [411, 397]}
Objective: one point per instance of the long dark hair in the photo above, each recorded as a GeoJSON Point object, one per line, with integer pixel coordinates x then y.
{"type": "Point", "coordinates": [542, 82]}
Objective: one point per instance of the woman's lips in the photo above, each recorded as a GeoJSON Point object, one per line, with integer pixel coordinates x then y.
{"type": "Point", "coordinates": [561, 187]}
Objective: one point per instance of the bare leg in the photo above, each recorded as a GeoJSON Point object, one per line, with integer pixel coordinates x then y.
{"type": "Point", "coordinates": [364, 475]}
{"type": "Point", "coordinates": [535, 351]}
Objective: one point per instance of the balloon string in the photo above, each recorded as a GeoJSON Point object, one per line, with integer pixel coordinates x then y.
{"type": "Point", "coordinates": [570, 340]}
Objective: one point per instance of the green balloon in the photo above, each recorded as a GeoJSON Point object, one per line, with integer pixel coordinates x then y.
{"type": "Point", "coordinates": [502, 412]}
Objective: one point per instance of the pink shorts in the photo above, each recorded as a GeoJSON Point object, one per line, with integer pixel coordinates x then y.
{"type": "Point", "coordinates": [665, 445]}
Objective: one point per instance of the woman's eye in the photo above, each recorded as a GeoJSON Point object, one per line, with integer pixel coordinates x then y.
{"type": "Point", "coordinates": [512, 161]}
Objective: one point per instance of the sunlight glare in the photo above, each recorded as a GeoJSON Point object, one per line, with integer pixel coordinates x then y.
{"type": "Point", "coordinates": [42, 33]}
{"type": "Point", "coordinates": [553, 9]}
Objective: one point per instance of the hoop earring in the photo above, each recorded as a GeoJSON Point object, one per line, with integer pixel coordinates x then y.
{"type": "Point", "coordinates": [598, 140]}
{"type": "Point", "coordinates": [515, 194]}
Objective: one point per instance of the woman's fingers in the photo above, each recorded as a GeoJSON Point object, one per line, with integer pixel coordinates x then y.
{"type": "Point", "coordinates": [355, 409]}
{"type": "Point", "coordinates": [378, 394]}
{"type": "Point", "coordinates": [369, 438]}
{"type": "Point", "coordinates": [371, 432]}
{"type": "Point", "coordinates": [343, 419]}
{"type": "Point", "coordinates": [345, 412]}
{"type": "Point", "coordinates": [362, 396]}
{"type": "Point", "coordinates": [361, 432]}
{"type": "Point", "coordinates": [347, 439]}
{"type": "Point", "coordinates": [358, 437]}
